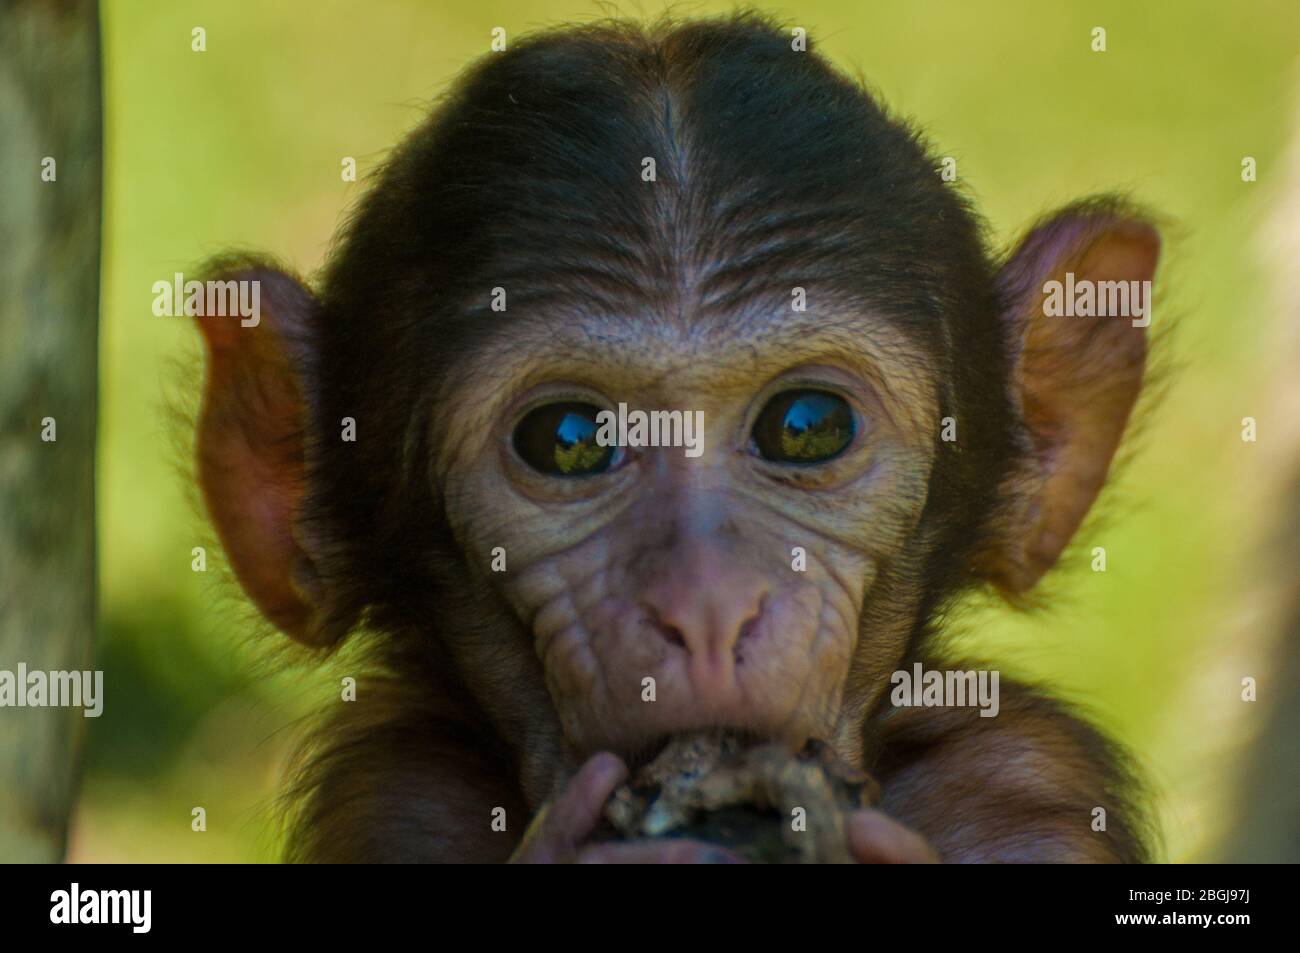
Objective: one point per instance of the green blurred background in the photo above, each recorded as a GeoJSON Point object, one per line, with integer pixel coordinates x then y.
{"type": "Point", "coordinates": [240, 146]}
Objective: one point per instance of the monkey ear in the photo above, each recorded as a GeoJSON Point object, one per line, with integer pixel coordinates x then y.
{"type": "Point", "coordinates": [250, 445]}
{"type": "Point", "coordinates": [1075, 378]}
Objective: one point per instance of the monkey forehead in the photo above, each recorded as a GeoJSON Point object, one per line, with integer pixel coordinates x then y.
{"type": "Point", "coordinates": [647, 359]}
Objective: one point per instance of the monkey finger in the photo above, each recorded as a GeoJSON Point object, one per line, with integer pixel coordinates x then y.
{"type": "Point", "coordinates": [566, 821]}
{"type": "Point", "coordinates": [876, 838]}
{"type": "Point", "coordinates": [577, 810]}
{"type": "Point", "coordinates": [657, 852]}
{"type": "Point", "coordinates": [563, 823]}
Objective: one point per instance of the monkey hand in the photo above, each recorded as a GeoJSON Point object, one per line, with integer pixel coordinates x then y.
{"type": "Point", "coordinates": [561, 830]}
{"type": "Point", "coordinates": [876, 838]}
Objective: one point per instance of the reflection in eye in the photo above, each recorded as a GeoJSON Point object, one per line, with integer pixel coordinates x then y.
{"type": "Point", "coordinates": [560, 439]}
{"type": "Point", "coordinates": [803, 426]}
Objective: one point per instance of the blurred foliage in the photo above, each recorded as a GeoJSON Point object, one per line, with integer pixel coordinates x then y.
{"type": "Point", "coordinates": [240, 146]}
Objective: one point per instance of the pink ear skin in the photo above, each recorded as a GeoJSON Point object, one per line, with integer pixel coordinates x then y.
{"type": "Point", "coordinates": [250, 449]}
{"type": "Point", "coordinates": [1076, 380]}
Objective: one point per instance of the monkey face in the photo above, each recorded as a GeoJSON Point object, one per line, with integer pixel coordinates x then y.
{"type": "Point", "coordinates": [659, 383]}
{"type": "Point", "coordinates": [690, 543]}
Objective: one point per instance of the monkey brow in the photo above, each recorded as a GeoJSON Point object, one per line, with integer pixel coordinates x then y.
{"type": "Point", "coordinates": [642, 350]}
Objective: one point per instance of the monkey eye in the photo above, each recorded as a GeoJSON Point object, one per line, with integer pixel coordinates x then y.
{"type": "Point", "coordinates": [560, 439]}
{"type": "Point", "coordinates": [803, 426]}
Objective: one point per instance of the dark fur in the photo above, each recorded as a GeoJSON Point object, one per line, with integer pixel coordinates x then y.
{"type": "Point", "coordinates": [525, 178]}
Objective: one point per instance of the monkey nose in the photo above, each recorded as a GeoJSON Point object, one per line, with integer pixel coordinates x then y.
{"type": "Point", "coordinates": [712, 620]}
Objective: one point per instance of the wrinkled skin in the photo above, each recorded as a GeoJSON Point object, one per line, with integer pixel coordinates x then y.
{"type": "Point", "coordinates": [680, 569]}
{"type": "Point", "coordinates": [663, 594]}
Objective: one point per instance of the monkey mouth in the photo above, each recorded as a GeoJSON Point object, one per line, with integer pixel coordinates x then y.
{"type": "Point", "coordinates": [641, 755]}
{"type": "Point", "coordinates": [638, 757]}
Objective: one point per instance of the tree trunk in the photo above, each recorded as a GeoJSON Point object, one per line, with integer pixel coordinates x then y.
{"type": "Point", "coordinates": [49, 300]}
